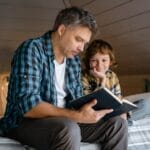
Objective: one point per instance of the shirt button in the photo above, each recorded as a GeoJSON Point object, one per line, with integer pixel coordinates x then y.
{"type": "Point", "coordinates": [25, 76]}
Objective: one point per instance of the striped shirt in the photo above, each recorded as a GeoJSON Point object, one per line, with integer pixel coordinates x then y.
{"type": "Point", "coordinates": [91, 83]}
{"type": "Point", "coordinates": [32, 79]}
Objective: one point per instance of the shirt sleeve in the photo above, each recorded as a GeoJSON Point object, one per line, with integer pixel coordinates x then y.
{"type": "Point", "coordinates": [113, 84]}
{"type": "Point", "coordinates": [117, 89]}
{"type": "Point", "coordinates": [25, 79]}
{"type": "Point", "coordinates": [86, 85]}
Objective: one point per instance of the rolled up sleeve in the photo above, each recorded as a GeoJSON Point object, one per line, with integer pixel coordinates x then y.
{"type": "Point", "coordinates": [26, 78]}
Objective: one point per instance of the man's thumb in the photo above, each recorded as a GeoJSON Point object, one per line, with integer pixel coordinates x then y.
{"type": "Point", "coordinates": [92, 103]}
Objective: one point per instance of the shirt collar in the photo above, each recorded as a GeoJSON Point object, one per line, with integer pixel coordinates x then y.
{"type": "Point", "coordinates": [48, 43]}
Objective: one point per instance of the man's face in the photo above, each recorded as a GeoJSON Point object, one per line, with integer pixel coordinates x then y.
{"type": "Point", "coordinates": [73, 40]}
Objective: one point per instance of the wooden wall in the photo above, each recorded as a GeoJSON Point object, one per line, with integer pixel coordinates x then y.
{"type": "Point", "coordinates": [133, 84]}
{"type": "Point", "coordinates": [123, 23]}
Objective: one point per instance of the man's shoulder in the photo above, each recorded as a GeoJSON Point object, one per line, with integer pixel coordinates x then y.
{"type": "Point", "coordinates": [37, 41]}
{"type": "Point", "coordinates": [35, 44]}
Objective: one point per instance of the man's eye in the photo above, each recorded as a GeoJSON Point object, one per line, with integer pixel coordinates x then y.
{"type": "Point", "coordinates": [78, 39]}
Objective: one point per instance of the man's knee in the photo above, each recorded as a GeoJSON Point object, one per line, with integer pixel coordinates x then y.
{"type": "Point", "coordinates": [69, 129]}
{"type": "Point", "coordinates": [120, 124]}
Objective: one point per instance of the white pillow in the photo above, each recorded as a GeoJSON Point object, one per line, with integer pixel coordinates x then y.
{"type": "Point", "coordinates": [142, 111]}
{"type": "Point", "coordinates": [142, 100]}
{"type": "Point", "coordinates": [139, 96]}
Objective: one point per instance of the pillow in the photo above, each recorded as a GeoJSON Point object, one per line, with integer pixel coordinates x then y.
{"type": "Point", "coordinates": [136, 97]}
{"type": "Point", "coordinates": [142, 100]}
{"type": "Point", "coordinates": [142, 110]}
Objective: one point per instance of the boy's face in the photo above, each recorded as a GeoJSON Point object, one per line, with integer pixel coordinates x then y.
{"type": "Point", "coordinates": [101, 62]}
{"type": "Point", "coordinates": [73, 40]}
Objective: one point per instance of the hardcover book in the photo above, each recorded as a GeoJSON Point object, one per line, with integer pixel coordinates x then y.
{"type": "Point", "coordinates": [105, 100]}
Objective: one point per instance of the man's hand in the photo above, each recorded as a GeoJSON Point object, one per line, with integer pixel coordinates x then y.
{"type": "Point", "coordinates": [124, 116]}
{"type": "Point", "coordinates": [89, 115]}
{"type": "Point", "coordinates": [85, 115]}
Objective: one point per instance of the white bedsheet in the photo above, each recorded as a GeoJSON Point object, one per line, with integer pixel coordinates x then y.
{"type": "Point", "coordinates": [139, 134]}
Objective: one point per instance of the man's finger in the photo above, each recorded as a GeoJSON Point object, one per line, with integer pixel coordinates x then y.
{"type": "Point", "coordinates": [105, 111]}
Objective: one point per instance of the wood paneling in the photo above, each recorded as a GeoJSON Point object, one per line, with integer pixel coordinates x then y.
{"type": "Point", "coordinates": [16, 24]}
{"type": "Point", "coordinates": [123, 12]}
{"type": "Point", "coordinates": [21, 20]}
{"type": "Point", "coordinates": [81, 3]}
{"type": "Point", "coordinates": [99, 7]}
{"type": "Point", "coordinates": [27, 13]}
{"type": "Point", "coordinates": [125, 24]}
{"type": "Point", "coordinates": [133, 84]}
{"type": "Point", "coordinates": [57, 4]}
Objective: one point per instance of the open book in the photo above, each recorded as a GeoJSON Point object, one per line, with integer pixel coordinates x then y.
{"type": "Point", "coordinates": [105, 100]}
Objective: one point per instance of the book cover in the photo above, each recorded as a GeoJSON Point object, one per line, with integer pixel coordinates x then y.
{"type": "Point", "coordinates": [105, 100]}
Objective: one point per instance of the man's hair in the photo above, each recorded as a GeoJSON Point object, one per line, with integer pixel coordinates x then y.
{"type": "Point", "coordinates": [74, 16]}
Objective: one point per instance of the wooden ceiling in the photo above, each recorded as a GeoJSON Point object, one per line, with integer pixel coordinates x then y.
{"type": "Point", "coordinates": [125, 24]}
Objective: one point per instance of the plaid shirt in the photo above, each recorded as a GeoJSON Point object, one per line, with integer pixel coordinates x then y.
{"type": "Point", "coordinates": [91, 83]}
{"type": "Point", "coordinates": [32, 79]}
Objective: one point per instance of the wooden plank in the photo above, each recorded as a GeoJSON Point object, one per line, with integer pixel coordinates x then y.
{"type": "Point", "coordinates": [98, 7]}
{"type": "Point", "coordinates": [127, 25]}
{"type": "Point", "coordinates": [130, 37]}
{"type": "Point", "coordinates": [18, 35]}
{"type": "Point", "coordinates": [123, 12]}
{"type": "Point", "coordinates": [28, 13]}
{"type": "Point", "coordinates": [18, 24]}
{"type": "Point", "coordinates": [133, 84]}
{"type": "Point", "coordinates": [56, 4]}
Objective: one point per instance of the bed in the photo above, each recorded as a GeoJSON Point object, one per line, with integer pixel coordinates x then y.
{"type": "Point", "coordinates": [139, 134]}
{"type": "Point", "coordinates": [138, 123]}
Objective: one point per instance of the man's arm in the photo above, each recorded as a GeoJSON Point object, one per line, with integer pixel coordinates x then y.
{"type": "Point", "coordinates": [85, 115]}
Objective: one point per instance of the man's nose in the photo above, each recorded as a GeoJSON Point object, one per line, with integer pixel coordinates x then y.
{"type": "Point", "coordinates": [81, 47]}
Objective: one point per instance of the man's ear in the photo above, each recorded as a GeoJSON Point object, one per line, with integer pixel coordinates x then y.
{"type": "Point", "coordinates": [61, 30]}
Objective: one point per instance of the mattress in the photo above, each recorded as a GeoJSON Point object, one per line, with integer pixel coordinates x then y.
{"type": "Point", "coordinates": [139, 134]}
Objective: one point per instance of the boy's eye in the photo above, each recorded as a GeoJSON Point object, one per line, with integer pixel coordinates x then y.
{"type": "Point", "coordinates": [105, 60]}
{"type": "Point", "coordinates": [93, 60]}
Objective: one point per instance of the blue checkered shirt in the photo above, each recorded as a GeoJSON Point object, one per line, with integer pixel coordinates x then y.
{"type": "Point", "coordinates": [32, 79]}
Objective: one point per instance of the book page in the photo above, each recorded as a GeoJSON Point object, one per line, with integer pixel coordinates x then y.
{"type": "Point", "coordinates": [128, 102]}
{"type": "Point", "coordinates": [117, 98]}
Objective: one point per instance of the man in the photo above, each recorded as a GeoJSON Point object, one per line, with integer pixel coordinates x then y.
{"type": "Point", "coordinates": [45, 76]}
